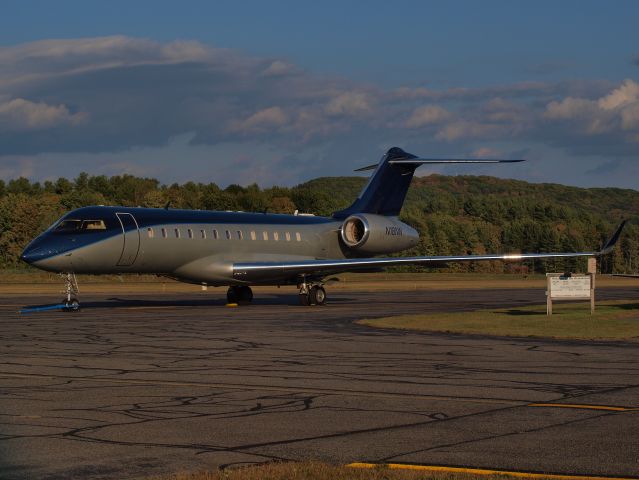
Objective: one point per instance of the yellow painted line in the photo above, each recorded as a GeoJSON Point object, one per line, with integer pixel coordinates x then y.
{"type": "Point", "coordinates": [609, 408]}
{"type": "Point", "coordinates": [483, 471]}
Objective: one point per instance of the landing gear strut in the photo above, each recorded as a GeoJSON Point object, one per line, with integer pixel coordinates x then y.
{"type": "Point", "coordinates": [71, 291]}
{"type": "Point", "coordinates": [240, 294]}
{"type": "Point", "coordinates": [311, 294]}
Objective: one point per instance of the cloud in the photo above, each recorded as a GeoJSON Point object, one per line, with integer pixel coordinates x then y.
{"type": "Point", "coordinates": [616, 113]}
{"type": "Point", "coordinates": [516, 90]}
{"type": "Point", "coordinates": [350, 104]}
{"type": "Point", "coordinates": [125, 92]}
{"type": "Point", "coordinates": [278, 68]}
{"type": "Point", "coordinates": [427, 115]}
{"type": "Point", "coordinates": [266, 119]}
{"type": "Point", "coordinates": [107, 99]}
{"type": "Point", "coordinates": [626, 94]}
{"type": "Point", "coordinates": [19, 114]}
{"type": "Point", "coordinates": [465, 129]}
{"type": "Point", "coordinates": [485, 152]}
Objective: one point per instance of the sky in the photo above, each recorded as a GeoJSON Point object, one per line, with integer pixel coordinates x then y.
{"type": "Point", "coordinates": [284, 91]}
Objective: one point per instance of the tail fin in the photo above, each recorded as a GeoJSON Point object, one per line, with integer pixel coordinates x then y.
{"type": "Point", "coordinates": [386, 190]}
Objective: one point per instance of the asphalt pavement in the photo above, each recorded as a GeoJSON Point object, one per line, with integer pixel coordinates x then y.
{"type": "Point", "coordinates": [140, 385]}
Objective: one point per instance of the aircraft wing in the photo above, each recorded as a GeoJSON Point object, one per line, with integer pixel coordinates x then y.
{"type": "Point", "coordinates": [255, 271]}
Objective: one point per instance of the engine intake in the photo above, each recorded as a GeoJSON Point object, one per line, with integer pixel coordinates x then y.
{"type": "Point", "coordinates": [377, 234]}
{"type": "Point", "coordinates": [355, 231]}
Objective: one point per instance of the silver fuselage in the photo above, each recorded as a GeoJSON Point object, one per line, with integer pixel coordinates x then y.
{"type": "Point", "coordinates": [192, 246]}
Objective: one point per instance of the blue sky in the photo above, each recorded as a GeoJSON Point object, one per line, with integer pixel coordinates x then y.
{"type": "Point", "coordinates": [279, 92]}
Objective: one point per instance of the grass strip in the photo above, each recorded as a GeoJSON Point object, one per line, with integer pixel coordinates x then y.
{"type": "Point", "coordinates": [612, 320]}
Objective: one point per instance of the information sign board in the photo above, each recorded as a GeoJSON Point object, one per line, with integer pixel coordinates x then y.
{"type": "Point", "coordinates": [570, 287]}
{"type": "Point", "coordinates": [576, 287]}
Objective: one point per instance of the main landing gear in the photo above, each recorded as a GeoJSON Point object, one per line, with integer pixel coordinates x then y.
{"type": "Point", "coordinates": [311, 294]}
{"type": "Point", "coordinates": [240, 294]}
{"type": "Point", "coordinates": [70, 302]}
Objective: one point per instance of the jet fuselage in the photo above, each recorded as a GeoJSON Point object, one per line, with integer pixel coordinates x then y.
{"type": "Point", "coordinates": [189, 245]}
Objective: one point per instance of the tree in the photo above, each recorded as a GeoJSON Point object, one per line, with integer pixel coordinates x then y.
{"type": "Point", "coordinates": [282, 205]}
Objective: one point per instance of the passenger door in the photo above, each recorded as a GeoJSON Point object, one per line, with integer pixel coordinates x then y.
{"type": "Point", "coordinates": [131, 239]}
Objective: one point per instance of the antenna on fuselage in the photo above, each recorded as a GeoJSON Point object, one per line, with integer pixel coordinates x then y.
{"type": "Point", "coordinates": [168, 204]}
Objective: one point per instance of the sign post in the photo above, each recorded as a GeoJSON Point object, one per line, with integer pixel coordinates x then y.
{"type": "Point", "coordinates": [562, 286]}
{"type": "Point", "coordinates": [592, 270]}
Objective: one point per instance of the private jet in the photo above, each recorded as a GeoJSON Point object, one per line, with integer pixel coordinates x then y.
{"type": "Point", "coordinates": [239, 249]}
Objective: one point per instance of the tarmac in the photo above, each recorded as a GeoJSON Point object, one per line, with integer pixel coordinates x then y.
{"type": "Point", "coordinates": [136, 385]}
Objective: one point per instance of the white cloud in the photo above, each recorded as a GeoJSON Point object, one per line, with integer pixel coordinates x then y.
{"type": "Point", "coordinates": [427, 115]}
{"type": "Point", "coordinates": [268, 118]}
{"type": "Point", "coordinates": [615, 113]}
{"type": "Point", "coordinates": [350, 104]}
{"type": "Point", "coordinates": [465, 129]}
{"type": "Point", "coordinates": [20, 114]}
{"type": "Point", "coordinates": [626, 94]}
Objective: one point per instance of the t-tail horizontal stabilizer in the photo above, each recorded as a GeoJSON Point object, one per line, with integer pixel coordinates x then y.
{"type": "Point", "coordinates": [438, 161]}
{"type": "Point", "coordinates": [386, 190]}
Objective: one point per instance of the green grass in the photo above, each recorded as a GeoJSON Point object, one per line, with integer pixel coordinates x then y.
{"type": "Point", "coordinates": [618, 320]}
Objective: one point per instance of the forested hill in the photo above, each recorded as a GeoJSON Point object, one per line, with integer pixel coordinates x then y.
{"type": "Point", "coordinates": [455, 215]}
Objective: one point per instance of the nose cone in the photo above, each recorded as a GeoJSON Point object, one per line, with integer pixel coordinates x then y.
{"type": "Point", "coordinates": [29, 255]}
{"type": "Point", "coordinates": [37, 252]}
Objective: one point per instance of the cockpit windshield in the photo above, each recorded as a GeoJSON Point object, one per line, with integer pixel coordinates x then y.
{"type": "Point", "coordinates": [76, 225]}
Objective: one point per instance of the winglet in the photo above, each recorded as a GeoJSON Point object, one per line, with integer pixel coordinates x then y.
{"type": "Point", "coordinates": [612, 241]}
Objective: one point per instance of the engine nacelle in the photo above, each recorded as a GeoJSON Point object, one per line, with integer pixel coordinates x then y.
{"type": "Point", "coordinates": [377, 234]}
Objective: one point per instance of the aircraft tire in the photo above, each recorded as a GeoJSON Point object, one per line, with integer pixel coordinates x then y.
{"type": "Point", "coordinates": [71, 305]}
{"type": "Point", "coordinates": [245, 295]}
{"type": "Point", "coordinates": [232, 295]}
{"type": "Point", "coordinates": [304, 299]}
{"type": "Point", "coordinates": [317, 295]}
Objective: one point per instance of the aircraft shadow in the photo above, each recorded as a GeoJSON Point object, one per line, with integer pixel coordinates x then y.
{"type": "Point", "coordinates": [118, 302]}
{"type": "Point", "coordinates": [520, 313]}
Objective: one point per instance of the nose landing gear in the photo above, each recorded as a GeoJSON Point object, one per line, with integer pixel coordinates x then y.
{"type": "Point", "coordinates": [70, 302]}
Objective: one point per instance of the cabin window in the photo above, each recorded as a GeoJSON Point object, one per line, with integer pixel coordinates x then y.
{"type": "Point", "coordinates": [265, 235]}
{"type": "Point", "coordinates": [190, 232]}
{"type": "Point", "coordinates": [164, 233]}
{"type": "Point", "coordinates": [93, 225]}
{"type": "Point", "coordinates": [150, 232]}
{"type": "Point", "coordinates": [69, 226]}
{"type": "Point", "coordinates": [215, 234]}
{"type": "Point", "coordinates": [203, 233]}
{"type": "Point", "coordinates": [177, 233]}
{"type": "Point", "coordinates": [253, 236]}
{"type": "Point", "coordinates": [80, 225]}
{"type": "Point", "coordinates": [228, 235]}
{"type": "Point", "coordinates": [298, 237]}
{"type": "Point", "coordinates": [276, 236]}
{"type": "Point", "coordinates": [288, 236]}
{"type": "Point", "coordinates": [240, 236]}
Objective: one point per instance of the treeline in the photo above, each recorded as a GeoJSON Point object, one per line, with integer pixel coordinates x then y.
{"type": "Point", "coordinates": [455, 215]}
